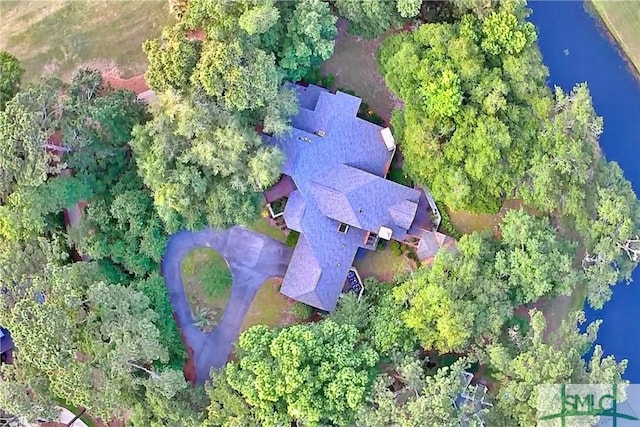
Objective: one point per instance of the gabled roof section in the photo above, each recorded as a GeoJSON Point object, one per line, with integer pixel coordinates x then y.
{"type": "Point", "coordinates": [334, 204]}
{"type": "Point", "coordinates": [338, 163]}
{"type": "Point", "coordinates": [294, 210]}
{"type": "Point", "coordinates": [365, 201]}
{"type": "Point", "coordinates": [403, 213]}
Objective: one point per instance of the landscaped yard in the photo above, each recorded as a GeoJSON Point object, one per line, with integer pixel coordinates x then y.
{"type": "Point", "coordinates": [269, 307]}
{"type": "Point", "coordinates": [207, 283]}
{"type": "Point", "coordinates": [58, 36]}
{"type": "Point", "coordinates": [355, 67]}
{"type": "Point", "coordinates": [383, 265]}
{"type": "Point", "coordinates": [262, 226]}
{"type": "Point", "coordinates": [622, 18]}
{"type": "Point", "coordinates": [466, 223]}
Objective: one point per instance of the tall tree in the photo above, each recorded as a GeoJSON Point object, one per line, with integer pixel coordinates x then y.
{"type": "Point", "coordinates": [314, 374]}
{"type": "Point", "coordinates": [555, 359]}
{"type": "Point", "coordinates": [203, 166]}
{"type": "Point", "coordinates": [533, 260]}
{"type": "Point", "coordinates": [11, 71]}
{"type": "Point", "coordinates": [85, 339]}
{"type": "Point", "coordinates": [238, 75]}
{"type": "Point", "coordinates": [308, 39]}
{"type": "Point", "coordinates": [172, 59]}
{"type": "Point", "coordinates": [419, 400]}
{"type": "Point", "coordinates": [474, 93]}
{"type": "Point", "coordinates": [370, 18]}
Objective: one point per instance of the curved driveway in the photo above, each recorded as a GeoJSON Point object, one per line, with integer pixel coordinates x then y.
{"type": "Point", "coordinates": [252, 259]}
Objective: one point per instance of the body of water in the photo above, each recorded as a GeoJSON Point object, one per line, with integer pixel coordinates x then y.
{"type": "Point", "coordinates": [576, 50]}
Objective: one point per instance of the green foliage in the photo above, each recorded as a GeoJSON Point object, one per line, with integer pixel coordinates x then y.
{"type": "Point", "coordinates": [308, 39]}
{"type": "Point", "coordinates": [316, 373]}
{"type": "Point", "coordinates": [227, 407]}
{"type": "Point", "coordinates": [522, 365]}
{"type": "Point", "coordinates": [533, 261]}
{"type": "Point", "coordinates": [301, 310]}
{"type": "Point", "coordinates": [467, 297]}
{"type": "Point", "coordinates": [314, 76]}
{"type": "Point", "coordinates": [238, 75]}
{"type": "Point", "coordinates": [351, 311]}
{"type": "Point", "coordinates": [387, 330]}
{"type": "Point", "coordinates": [86, 340]}
{"type": "Point", "coordinates": [398, 175]}
{"type": "Point", "coordinates": [419, 400]}
{"type": "Point", "coordinates": [395, 247]}
{"type": "Point", "coordinates": [11, 71]}
{"type": "Point", "coordinates": [155, 289]}
{"type": "Point", "coordinates": [172, 59]}
{"type": "Point", "coordinates": [216, 281]}
{"type": "Point", "coordinates": [292, 239]}
{"type": "Point", "coordinates": [371, 18]}
{"type": "Point", "coordinates": [474, 93]}
{"type": "Point", "coordinates": [203, 166]}
{"type": "Point", "coordinates": [128, 232]}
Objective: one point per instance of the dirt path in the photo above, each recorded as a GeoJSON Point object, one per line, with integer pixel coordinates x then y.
{"type": "Point", "coordinates": [135, 84]}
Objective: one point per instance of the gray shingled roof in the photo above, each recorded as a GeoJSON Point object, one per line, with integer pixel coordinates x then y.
{"type": "Point", "coordinates": [293, 211]}
{"type": "Point", "coordinates": [339, 177]}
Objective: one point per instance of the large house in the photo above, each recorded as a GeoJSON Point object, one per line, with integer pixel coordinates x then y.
{"type": "Point", "coordinates": [338, 198]}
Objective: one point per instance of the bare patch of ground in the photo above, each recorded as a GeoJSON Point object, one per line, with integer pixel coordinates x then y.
{"type": "Point", "coordinates": [355, 67]}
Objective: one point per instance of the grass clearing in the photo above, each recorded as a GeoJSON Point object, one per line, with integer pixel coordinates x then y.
{"type": "Point", "coordinates": [355, 67]}
{"type": "Point", "coordinates": [269, 307]}
{"type": "Point", "coordinates": [622, 19]}
{"type": "Point", "coordinates": [467, 223]}
{"type": "Point", "coordinates": [383, 265]}
{"type": "Point", "coordinates": [263, 227]}
{"type": "Point", "coordinates": [207, 284]}
{"type": "Point", "coordinates": [58, 36]}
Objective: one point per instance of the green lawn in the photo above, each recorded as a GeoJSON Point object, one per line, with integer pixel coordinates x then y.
{"type": "Point", "coordinates": [58, 36]}
{"type": "Point", "coordinates": [269, 307]}
{"type": "Point", "coordinates": [207, 283]}
{"type": "Point", "coordinates": [383, 265]}
{"type": "Point", "coordinates": [262, 226]}
{"type": "Point", "coordinates": [622, 18]}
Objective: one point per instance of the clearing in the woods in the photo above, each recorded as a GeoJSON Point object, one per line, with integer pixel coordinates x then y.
{"type": "Point", "coordinates": [58, 36]}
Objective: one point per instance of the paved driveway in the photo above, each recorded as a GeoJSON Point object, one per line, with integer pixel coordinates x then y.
{"type": "Point", "coordinates": [252, 259]}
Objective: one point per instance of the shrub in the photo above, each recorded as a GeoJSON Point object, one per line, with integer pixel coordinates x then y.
{"type": "Point", "coordinates": [397, 175]}
{"type": "Point", "coordinates": [382, 244]}
{"type": "Point", "coordinates": [302, 311]}
{"type": "Point", "coordinates": [292, 239]}
{"type": "Point", "coordinates": [216, 281]}
{"type": "Point", "coordinates": [396, 248]}
{"type": "Point", "coordinates": [446, 226]}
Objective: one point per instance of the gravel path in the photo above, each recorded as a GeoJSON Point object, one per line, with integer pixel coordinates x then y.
{"type": "Point", "coordinates": [252, 259]}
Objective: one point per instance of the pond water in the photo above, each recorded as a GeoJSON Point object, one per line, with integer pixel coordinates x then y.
{"type": "Point", "coordinates": [576, 50]}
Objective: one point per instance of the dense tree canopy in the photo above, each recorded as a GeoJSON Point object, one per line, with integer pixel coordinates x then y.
{"type": "Point", "coordinates": [474, 93]}
{"type": "Point", "coordinates": [371, 18]}
{"type": "Point", "coordinates": [537, 359]}
{"type": "Point", "coordinates": [172, 59]}
{"type": "Point", "coordinates": [316, 373]}
{"type": "Point", "coordinates": [421, 400]}
{"type": "Point", "coordinates": [84, 338]}
{"type": "Point", "coordinates": [470, 295]}
{"type": "Point", "coordinates": [203, 166]}
{"type": "Point", "coordinates": [11, 71]}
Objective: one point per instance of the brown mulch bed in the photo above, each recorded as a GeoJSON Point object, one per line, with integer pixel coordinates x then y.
{"type": "Point", "coordinates": [135, 84]}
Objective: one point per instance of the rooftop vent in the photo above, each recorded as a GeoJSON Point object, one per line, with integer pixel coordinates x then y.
{"type": "Point", "coordinates": [320, 132]}
{"type": "Point", "coordinates": [385, 233]}
{"type": "Point", "coordinates": [388, 139]}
